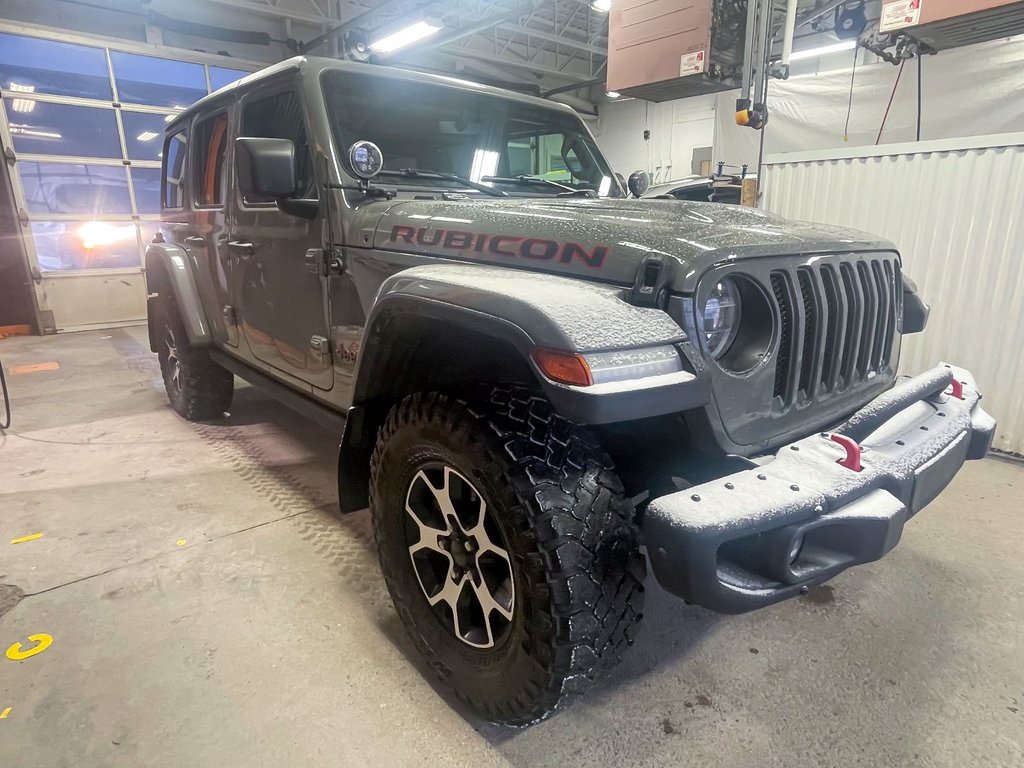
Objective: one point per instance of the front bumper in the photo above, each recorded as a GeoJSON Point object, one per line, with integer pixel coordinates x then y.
{"type": "Point", "coordinates": [756, 537]}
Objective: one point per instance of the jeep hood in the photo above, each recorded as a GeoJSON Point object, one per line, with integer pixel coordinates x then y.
{"type": "Point", "coordinates": [595, 239]}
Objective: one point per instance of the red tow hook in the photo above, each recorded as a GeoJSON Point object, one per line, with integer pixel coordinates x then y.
{"type": "Point", "coordinates": [958, 389]}
{"type": "Point", "coordinates": [852, 460]}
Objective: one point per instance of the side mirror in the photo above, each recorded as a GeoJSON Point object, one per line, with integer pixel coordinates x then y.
{"type": "Point", "coordinates": [639, 182]}
{"type": "Point", "coordinates": [265, 167]}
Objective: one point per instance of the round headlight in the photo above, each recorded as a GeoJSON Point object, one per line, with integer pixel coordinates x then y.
{"type": "Point", "coordinates": [720, 317]}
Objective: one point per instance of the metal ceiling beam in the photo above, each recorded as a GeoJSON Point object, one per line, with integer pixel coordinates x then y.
{"type": "Point", "coordinates": [568, 42]}
{"type": "Point", "coordinates": [467, 53]}
{"type": "Point", "coordinates": [386, 7]}
{"type": "Point", "coordinates": [573, 87]}
{"type": "Point", "coordinates": [262, 9]}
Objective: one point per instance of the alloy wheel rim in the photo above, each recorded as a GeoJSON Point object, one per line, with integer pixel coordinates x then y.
{"type": "Point", "coordinates": [459, 556]}
{"type": "Point", "coordinates": [173, 363]}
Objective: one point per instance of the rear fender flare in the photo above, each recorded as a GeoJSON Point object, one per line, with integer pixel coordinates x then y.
{"type": "Point", "coordinates": [168, 268]}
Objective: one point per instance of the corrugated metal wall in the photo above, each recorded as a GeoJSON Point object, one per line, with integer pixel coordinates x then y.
{"type": "Point", "coordinates": [955, 209]}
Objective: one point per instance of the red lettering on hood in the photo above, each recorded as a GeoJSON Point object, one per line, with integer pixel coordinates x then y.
{"type": "Point", "coordinates": [509, 246]}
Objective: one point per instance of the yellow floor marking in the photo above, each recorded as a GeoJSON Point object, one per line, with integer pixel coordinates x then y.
{"type": "Point", "coordinates": [42, 641]}
{"type": "Point", "coordinates": [5, 713]}
{"type": "Point", "coordinates": [18, 370]}
{"type": "Point", "coordinates": [30, 537]}
{"type": "Point", "coordinates": [181, 542]}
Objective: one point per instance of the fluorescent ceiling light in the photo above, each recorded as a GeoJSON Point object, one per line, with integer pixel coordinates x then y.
{"type": "Point", "coordinates": [24, 130]}
{"type": "Point", "coordinates": [22, 105]}
{"type": "Point", "coordinates": [405, 36]}
{"type": "Point", "coordinates": [602, 6]}
{"type": "Point", "coordinates": [613, 94]}
{"type": "Point", "coordinates": [146, 136]}
{"type": "Point", "coordinates": [810, 53]}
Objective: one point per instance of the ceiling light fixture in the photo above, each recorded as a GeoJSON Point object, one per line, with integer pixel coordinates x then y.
{"type": "Point", "coordinates": [810, 53]}
{"type": "Point", "coordinates": [613, 94]}
{"type": "Point", "coordinates": [146, 136]}
{"type": "Point", "coordinates": [405, 36]}
{"type": "Point", "coordinates": [22, 105]}
{"type": "Point", "coordinates": [24, 130]}
{"type": "Point", "coordinates": [601, 6]}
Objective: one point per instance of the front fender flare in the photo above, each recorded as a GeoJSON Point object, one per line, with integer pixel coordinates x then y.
{"type": "Point", "coordinates": [169, 265]}
{"type": "Point", "coordinates": [524, 310]}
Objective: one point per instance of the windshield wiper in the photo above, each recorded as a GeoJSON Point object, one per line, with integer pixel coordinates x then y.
{"type": "Point", "coordinates": [567, 191]}
{"type": "Point", "coordinates": [412, 173]}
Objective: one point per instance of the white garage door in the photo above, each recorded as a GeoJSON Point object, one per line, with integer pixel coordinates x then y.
{"type": "Point", "coordinates": [85, 122]}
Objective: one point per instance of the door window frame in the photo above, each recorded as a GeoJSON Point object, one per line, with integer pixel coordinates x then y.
{"type": "Point", "coordinates": [268, 91]}
{"type": "Point", "coordinates": [192, 173]}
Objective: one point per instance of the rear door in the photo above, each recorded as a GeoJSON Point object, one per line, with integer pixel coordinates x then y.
{"type": "Point", "coordinates": [281, 299]}
{"type": "Point", "coordinates": [207, 238]}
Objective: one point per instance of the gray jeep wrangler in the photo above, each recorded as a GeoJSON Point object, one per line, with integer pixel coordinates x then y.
{"type": "Point", "coordinates": [538, 380]}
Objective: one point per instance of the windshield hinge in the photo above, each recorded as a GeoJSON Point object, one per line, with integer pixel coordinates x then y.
{"type": "Point", "coordinates": [651, 280]}
{"type": "Point", "coordinates": [319, 262]}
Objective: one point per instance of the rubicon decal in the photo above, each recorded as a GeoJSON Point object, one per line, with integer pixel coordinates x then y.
{"type": "Point", "coordinates": [510, 246]}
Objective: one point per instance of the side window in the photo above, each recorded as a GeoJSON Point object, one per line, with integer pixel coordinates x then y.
{"type": "Point", "coordinates": [174, 170]}
{"type": "Point", "coordinates": [280, 117]}
{"type": "Point", "coordinates": [210, 142]}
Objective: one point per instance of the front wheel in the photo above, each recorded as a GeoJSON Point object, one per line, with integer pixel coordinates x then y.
{"type": "Point", "coordinates": [508, 548]}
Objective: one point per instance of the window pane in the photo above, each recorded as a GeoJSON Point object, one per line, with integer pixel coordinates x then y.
{"type": "Point", "coordinates": [85, 244]}
{"type": "Point", "coordinates": [160, 82]}
{"type": "Point", "coordinates": [143, 134]}
{"type": "Point", "coordinates": [280, 117]}
{"type": "Point", "coordinates": [66, 188]}
{"type": "Point", "coordinates": [62, 129]}
{"type": "Point", "coordinates": [45, 66]}
{"type": "Point", "coordinates": [210, 138]}
{"type": "Point", "coordinates": [520, 157]}
{"type": "Point", "coordinates": [221, 76]}
{"type": "Point", "coordinates": [146, 182]}
{"type": "Point", "coordinates": [174, 163]}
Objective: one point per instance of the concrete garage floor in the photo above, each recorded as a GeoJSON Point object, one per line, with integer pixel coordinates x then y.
{"type": "Point", "coordinates": [208, 608]}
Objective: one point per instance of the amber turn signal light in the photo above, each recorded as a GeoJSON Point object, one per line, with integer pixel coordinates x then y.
{"type": "Point", "coordinates": [563, 367]}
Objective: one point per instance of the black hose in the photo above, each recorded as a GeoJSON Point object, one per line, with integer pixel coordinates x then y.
{"type": "Point", "coordinates": [7, 399]}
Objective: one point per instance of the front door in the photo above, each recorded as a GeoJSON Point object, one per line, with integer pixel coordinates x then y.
{"type": "Point", "coordinates": [281, 303]}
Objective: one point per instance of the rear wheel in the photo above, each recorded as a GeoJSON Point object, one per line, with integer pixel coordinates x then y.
{"type": "Point", "coordinates": [197, 387]}
{"type": "Point", "coordinates": [508, 548]}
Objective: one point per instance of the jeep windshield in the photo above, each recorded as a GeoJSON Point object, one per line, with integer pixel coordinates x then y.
{"type": "Point", "coordinates": [510, 145]}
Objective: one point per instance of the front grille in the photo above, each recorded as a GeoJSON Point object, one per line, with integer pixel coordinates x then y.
{"type": "Point", "coordinates": [837, 325]}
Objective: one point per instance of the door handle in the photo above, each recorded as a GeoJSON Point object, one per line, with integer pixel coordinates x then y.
{"type": "Point", "coordinates": [243, 250]}
{"type": "Point", "coordinates": [195, 240]}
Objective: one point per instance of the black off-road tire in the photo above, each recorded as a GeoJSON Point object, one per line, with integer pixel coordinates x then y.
{"type": "Point", "coordinates": [569, 530]}
{"type": "Point", "coordinates": [199, 389]}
